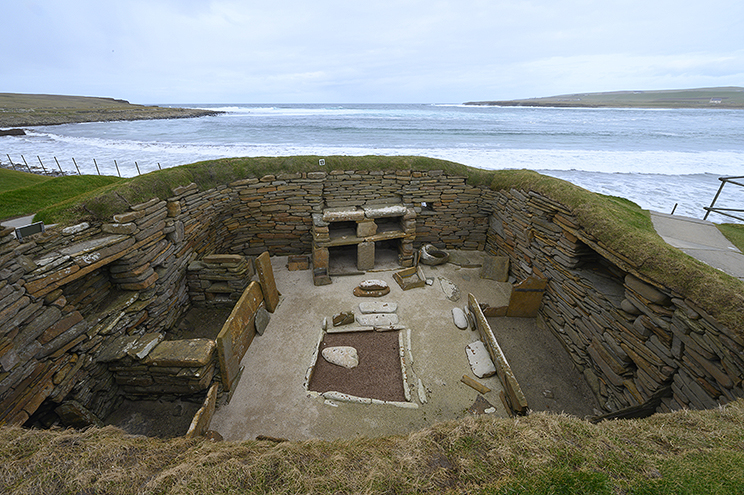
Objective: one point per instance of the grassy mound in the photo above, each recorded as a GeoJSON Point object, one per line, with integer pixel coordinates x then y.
{"type": "Point", "coordinates": [686, 452]}
{"type": "Point", "coordinates": [31, 194]}
{"type": "Point", "coordinates": [13, 179]}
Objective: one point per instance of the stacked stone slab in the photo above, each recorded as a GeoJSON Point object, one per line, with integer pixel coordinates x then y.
{"type": "Point", "coordinates": [362, 227]}
{"type": "Point", "coordinates": [146, 366]}
{"type": "Point", "coordinates": [218, 280]}
{"type": "Point", "coordinates": [637, 343]}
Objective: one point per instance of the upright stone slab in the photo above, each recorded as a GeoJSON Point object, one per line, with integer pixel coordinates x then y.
{"type": "Point", "coordinates": [366, 256]}
{"type": "Point", "coordinates": [237, 334]}
{"type": "Point", "coordinates": [268, 284]}
{"type": "Point", "coordinates": [495, 268]}
{"type": "Point", "coordinates": [526, 297]}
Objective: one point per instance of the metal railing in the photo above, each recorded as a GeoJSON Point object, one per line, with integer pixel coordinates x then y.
{"type": "Point", "coordinates": [45, 170]}
{"type": "Point", "coordinates": [720, 211]}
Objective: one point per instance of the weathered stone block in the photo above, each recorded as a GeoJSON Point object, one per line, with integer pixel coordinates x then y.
{"type": "Point", "coordinates": [366, 256]}
{"type": "Point", "coordinates": [181, 353]}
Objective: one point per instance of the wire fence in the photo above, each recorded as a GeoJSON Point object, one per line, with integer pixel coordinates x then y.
{"type": "Point", "coordinates": [50, 169]}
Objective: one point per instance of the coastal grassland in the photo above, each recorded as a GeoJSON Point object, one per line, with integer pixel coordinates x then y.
{"type": "Point", "coordinates": [734, 232]}
{"type": "Point", "coordinates": [625, 229]}
{"type": "Point", "coordinates": [685, 452]}
{"type": "Point", "coordinates": [17, 110]}
{"type": "Point", "coordinates": [13, 179]}
{"type": "Point", "coordinates": [37, 194]}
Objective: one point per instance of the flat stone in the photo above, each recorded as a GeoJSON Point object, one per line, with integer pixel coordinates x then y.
{"type": "Point", "coordinates": [451, 291]}
{"type": "Point", "coordinates": [145, 344]}
{"type": "Point", "coordinates": [343, 214]}
{"type": "Point", "coordinates": [344, 318]}
{"type": "Point", "coordinates": [119, 228]}
{"type": "Point", "coordinates": [646, 291]}
{"type": "Point", "coordinates": [480, 360]}
{"type": "Point", "coordinates": [378, 320]}
{"type": "Point", "coordinates": [349, 329]}
{"type": "Point", "coordinates": [75, 229]}
{"type": "Point", "coordinates": [262, 320]}
{"type": "Point", "coordinates": [189, 353]}
{"type": "Point", "coordinates": [495, 268]}
{"type": "Point", "coordinates": [373, 285]}
{"type": "Point", "coordinates": [460, 319]}
{"type": "Point", "coordinates": [628, 307]}
{"type": "Point", "coordinates": [377, 307]}
{"type": "Point", "coordinates": [385, 211]}
{"type": "Point", "coordinates": [359, 292]}
{"type": "Point", "coordinates": [345, 356]}
{"type": "Point", "coordinates": [223, 258]}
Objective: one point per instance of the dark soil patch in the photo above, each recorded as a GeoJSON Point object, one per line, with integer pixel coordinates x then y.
{"type": "Point", "coordinates": [199, 323]}
{"type": "Point", "coordinates": [378, 375]}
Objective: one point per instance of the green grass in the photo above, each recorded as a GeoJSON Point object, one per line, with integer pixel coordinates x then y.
{"type": "Point", "coordinates": [734, 232]}
{"type": "Point", "coordinates": [13, 179]}
{"type": "Point", "coordinates": [687, 452]}
{"type": "Point", "coordinates": [30, 199]}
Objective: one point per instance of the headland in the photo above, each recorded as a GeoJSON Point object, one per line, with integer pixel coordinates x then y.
{"type": "Point", "coordinates": [20, 110]}
{"type": "Point", "coordinates": [723, 97]}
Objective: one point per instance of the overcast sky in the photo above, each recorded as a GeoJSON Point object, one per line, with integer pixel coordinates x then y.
{"type": "Point", "coordinates": [373, 51]}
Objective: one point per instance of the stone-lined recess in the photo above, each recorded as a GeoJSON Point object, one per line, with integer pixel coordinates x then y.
{"type": "Point", "coordinates": [639, 345]}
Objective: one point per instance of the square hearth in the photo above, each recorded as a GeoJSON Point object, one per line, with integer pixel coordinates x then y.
{"type": "Point", "coordinates": [378, 375]}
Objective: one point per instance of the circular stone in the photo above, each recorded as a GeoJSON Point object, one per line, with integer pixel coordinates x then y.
{"type": "Point", "coordinates": [345, 356]}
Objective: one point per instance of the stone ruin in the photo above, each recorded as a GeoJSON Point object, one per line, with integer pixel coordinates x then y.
{"type": "Point", "coordinates": [85, 310]}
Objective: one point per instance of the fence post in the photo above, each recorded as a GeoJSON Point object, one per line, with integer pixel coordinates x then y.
{"type": "Point", "coordinates": [96, 163]}
{"type": "Point", "coordinates": [117, 168]}
{"type": "Point", "coordinates": [42, 164]}
{"type": "Point", "coordinates": [11, 161]}
{"type": "Point", "coordinates": [138, 170]}
{"type": "Point", "coordinates": [76, 165]}
{"type": "Point", "coordinates": [24, 161]}
{"type": "Point", "coordinates": [60, 166]}
{"type": "Point", "coordinates": [159, 166]}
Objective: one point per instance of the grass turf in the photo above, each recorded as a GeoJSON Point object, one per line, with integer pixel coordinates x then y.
{"type": "Point", "coordinates": [686, 452]}
{"type": "Point", "coordinates": [31, 195]}
{"type": "Point", "coordinates": [13, 179]}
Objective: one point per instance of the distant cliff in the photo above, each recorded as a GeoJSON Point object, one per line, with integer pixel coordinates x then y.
{"type": "Point", "coordinates": [724, 97]}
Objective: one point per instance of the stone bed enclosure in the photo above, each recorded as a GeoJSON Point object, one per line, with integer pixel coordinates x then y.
{"type": "Point", "coordinates": [85, 309]}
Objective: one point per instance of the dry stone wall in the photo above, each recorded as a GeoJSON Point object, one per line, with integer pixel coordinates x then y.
{"type": "Point", "coordinates": [638, 344]}
{"type": "Point", "coordinates": [71, 298]}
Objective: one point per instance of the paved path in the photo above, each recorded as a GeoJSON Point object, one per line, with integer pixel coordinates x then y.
{"type": "Point", "coordinates": [701, 240]}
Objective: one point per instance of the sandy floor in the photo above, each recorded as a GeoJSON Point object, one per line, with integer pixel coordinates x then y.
{"type": "Point", "coordinates": [271, 398]}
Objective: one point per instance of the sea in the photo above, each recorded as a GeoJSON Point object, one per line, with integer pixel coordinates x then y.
{"type": "Point", "coordinates": [662, 159]}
